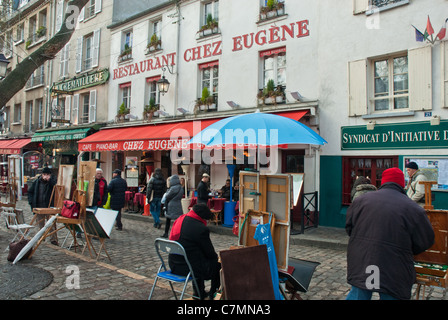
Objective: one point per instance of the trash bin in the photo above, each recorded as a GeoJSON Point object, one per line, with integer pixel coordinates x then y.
{"type": "Point", "coordinates": [229, 213]}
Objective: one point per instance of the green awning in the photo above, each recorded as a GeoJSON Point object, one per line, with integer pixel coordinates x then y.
{"type": "Point", "coordinates": [73, 134]}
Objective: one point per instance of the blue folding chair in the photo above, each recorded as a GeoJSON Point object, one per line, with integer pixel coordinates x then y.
{"type": "Point", "coordinates": [172, 247]}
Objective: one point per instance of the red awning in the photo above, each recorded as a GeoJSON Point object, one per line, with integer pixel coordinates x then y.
{"type": "Point", "coordinates": [164, 136]}
{"type": "Point", "coordinates": [13, 146]}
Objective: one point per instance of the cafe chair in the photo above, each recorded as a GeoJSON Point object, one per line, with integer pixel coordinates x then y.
{"type": "Point", "coordinates": [20, 229]}
{"type": "Point", "coordinates": [218, 207]}
{"type": "Point", "coordinates": [165, 247]}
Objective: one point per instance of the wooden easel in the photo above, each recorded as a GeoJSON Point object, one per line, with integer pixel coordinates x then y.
{"type": "Point", "coordinates": [428, 195]}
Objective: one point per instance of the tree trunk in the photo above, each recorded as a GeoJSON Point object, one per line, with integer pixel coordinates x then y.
{"type": "Point", "coordinates": [18, 77]}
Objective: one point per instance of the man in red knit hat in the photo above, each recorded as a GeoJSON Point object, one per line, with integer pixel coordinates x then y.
{"type": "Point", "coordinates": [386, 230]}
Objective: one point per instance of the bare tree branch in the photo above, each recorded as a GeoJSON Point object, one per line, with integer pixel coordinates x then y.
{"type": "Point", "coordinates": [18, 77]}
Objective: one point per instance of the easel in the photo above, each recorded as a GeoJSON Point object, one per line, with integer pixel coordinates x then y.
{"type": "Point", "coordinates": [428, 195]}
{"type": "Point", "coordinates": [94, 229]}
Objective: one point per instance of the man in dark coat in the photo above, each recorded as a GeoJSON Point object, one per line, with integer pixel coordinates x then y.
{"type": "Point", "coordinates": [386, 230]}
{"type": "Point", "coordinates": [191, 231]}
{"type": "Point", "coordinates": [154, 193]}
{"type": "Point", "coordinates": [39, 196]}
{"type": "Point", "coordinates": [203, 189]}
{"type": "Point", "coordinates": [117, 188]}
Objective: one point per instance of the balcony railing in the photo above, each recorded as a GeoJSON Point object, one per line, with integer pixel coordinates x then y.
{"type": "Point", "coordinates": [35, 80]}
{"type": "Point", "coordinates": [382, 3]}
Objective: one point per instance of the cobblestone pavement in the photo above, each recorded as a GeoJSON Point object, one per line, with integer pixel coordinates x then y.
{"type": "Point", "coordinates": [129, 275]}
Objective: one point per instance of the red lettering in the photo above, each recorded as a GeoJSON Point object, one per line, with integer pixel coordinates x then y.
{"type": "Point", "coordinates": [115, 74]}
{"type": "Point", "coordinates": [185, 55]}
{"type": "Point", "coordinates": [196, 53]}
{"type": "Point", "coordinates": [287, 30]}
{"type": "Point", "coordinates": [217, 50]}
{"type": "Point", "coordinates": [303, 28]}
{"type": "Point", "coordinates": [274, 34]}
{"type": "Point", "coordinates": [207, 51]}
{"type": "Point", "coordinates": [245, 37]}
{"type": "Point", "coordinates": [263, 38]}
{"type": "Point", "coordinates": [237, 44]}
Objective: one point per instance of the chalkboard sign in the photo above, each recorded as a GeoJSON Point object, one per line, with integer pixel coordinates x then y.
{"type": "Point", "coordinates": [435, 169]}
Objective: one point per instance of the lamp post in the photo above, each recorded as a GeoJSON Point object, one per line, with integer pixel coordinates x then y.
{"type": "Point", "coordinates": [3, 65]}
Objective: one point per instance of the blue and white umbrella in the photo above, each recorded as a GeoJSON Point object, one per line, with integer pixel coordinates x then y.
{"type": "Point", "coordinates": [256, 129]}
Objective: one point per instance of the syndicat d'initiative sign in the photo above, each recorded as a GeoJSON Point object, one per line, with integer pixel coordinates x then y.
{"type": "Point", "coordinates": [408, 135]}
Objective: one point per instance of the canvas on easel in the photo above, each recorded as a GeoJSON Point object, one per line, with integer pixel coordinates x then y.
{"type": "Point", "coordinates": [99, 225]}
{"type": "Point", "coordinates": [86, 179]}
{"type": "Point", "coordinates": [65, 178]}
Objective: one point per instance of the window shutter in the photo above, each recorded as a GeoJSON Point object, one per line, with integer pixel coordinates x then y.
{"type": "Point", "coordinates": [357, 87]}
{"type": "Point", "coordinates": [96, 47]}
{"type": "Point", "coordinates": [444, 46]}
{"type": "Point", "coordinates": [59, 14]}
{"type": "Point", "coordinates": [98, 4]}
{"type": "Point", "coordinates": [75, 109]}
{"type": "Point", "coordinates": [81, 15]}
{"type": "Point", "coordinates": [92, 106]}
{"type": "Point", "coordinates": [63, 66]}
{"type": "Point", "coordinates": [68, 101]}
{"type": "Point", "coordinates": [360, 6]}
{"type": "Point", "coordinates": [79, 55]}
{"type": "Point", "coordinates": [67, 58]}
{"type": "Point", "coordinates": [420, 75]}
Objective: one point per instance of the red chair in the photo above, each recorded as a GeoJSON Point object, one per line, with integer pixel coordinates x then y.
{"type": "Point", "coordinates": [217, 207]}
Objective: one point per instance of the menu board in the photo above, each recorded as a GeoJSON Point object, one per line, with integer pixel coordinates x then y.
{"type": "Point", "coordinates": [435, 169]}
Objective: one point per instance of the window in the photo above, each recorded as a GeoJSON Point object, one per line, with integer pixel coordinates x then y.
{"type": "Point", "coordinates": [369, 167]}
{"type": "Point", "coordinates": [126, 95]}
{"type": "Point", "coordinates": [37, 78]}
{"type": "Point", "coordinates": [17, 112]}
{"type": "Point", "coordinates": [391, 89]}
{"type": "Point", "coordinates": [91, 9]}
{"type": "Point", "coordinates": [20, 33]}
{"type": "Point", "coordinates": [274, 67]}
{"type": "Point", "coordinates": [210, 79]}
{"type": "Point", "coordinates": [8, 44]}
{"type": "Point", "coordinates": [84, 110]}
{"type": "Point", "coordinates": [127, 40]}
{"type": "Point", "coordinates": [211, 8]}
{"type": "Point", "coordinates": [152, 90]}
{"type": "Point", "coordinates": [28, 125]}
{"type": "Point", "coordinates": [398, 84]}
{"type": "Point", "coordinates": [87, 52]}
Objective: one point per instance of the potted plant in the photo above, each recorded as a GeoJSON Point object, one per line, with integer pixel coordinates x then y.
{"type": "Point", "coordinates": [210, 27]}
{"type": "Point", "coordinates": [41, 31]}
{"type": "Point", "coordinates": [148, 111]}
{"type": "Point", "coordinates": [155, 43]}
{"type": "Point", "coordinates": [122, 112]}
{"type": "Point", "coordinates": [279, 95]}
{"type": "Point", "coordinates": [280, 8]}
{"type": "Point", "coordinates": [269, 96]}
{"type": "Point", "coordinates": [206, 101]}
{"type": "Point", "coordinates": [126, 53]}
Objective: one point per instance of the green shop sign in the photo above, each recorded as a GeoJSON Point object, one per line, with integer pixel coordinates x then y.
{"type": "Point", "coordinates": [408, 135]}
{"type": "Point", "coordinates": [82, 82]}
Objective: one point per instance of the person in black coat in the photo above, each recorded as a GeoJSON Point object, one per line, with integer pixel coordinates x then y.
{"type": "Point", "coordinates": [191, 231]}
{"type": "Point", "coordinates": [154, 193]}
{"type": "Point", "coordinates": [203, 189]}
{"type": "Point", "coordinates": [386, 230]}
{"type": "Point", "coordinates": [117, 188]}
{"type": "Point", "coordinates": [39, 196]}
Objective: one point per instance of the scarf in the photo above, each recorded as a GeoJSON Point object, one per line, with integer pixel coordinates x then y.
{"type": "Point", "coordinates": [177, 225]}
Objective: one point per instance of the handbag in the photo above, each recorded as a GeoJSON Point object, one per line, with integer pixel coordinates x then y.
{"type": "Point", "coordinates": [16, 247]}
{"type": "Point", "coordinates": [70, 209]}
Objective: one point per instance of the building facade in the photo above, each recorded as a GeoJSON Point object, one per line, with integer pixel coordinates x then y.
{"type": "Point", "coordinates": [361, 73]}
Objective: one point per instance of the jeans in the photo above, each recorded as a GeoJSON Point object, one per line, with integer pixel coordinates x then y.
{"type": "Point", "coordinates": [363, 294]}
{"type": "Point", "coordinates": [155, 210]}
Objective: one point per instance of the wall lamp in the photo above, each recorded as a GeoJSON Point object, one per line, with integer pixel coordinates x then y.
{"type": "Point", "coordinates": [163, 84]}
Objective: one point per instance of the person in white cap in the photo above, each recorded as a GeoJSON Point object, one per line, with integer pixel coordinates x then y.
{"type": "Point", "coordinates": [203, 189]}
